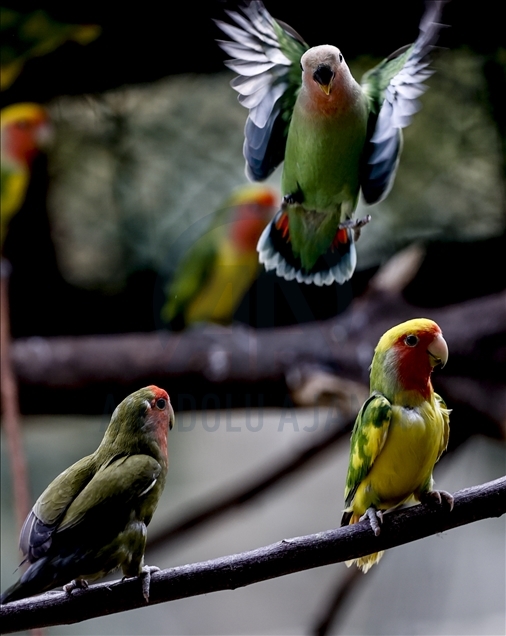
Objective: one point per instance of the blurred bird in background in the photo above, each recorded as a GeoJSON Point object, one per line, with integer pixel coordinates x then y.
{"type": "Point", "coordinates": [29, 35]}
{"type": "Point", "coordinates": [220, 267]}
{"type": "Point", "coordinates": [337, 137]}
{"type": "Point", "coordinates": [92, 518]}
{"type": "Point", "coordinates": [401, 430]}
{"type": "Point", "coordinates": [25, 131]}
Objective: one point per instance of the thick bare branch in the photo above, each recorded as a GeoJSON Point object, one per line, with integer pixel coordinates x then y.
{"type": "Point", "coordinates": [474, 330]}
{"type": "Point", "coordinates": [230, 572]}
{"type": "Point", "coordinates": [238, 353]}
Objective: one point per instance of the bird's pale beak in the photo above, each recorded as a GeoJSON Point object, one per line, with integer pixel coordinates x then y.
{"type": "Point", "coordinates": [172, 417]}
{"type": "Point", "coordinates": [438, 351]}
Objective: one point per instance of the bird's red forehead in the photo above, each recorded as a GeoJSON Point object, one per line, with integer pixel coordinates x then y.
{"type": "Point", "coordinates": [158, 393]}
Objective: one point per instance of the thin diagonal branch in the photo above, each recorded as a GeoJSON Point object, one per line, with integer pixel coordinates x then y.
{"type": "Point", "coordinates": [238, 570]}
{"type": "Point", "coordinates": [339, 594]}
{"type": "Point", "coordinates": [223, 503]}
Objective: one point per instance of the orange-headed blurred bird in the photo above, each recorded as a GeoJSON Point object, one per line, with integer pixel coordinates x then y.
{"type": "Point", "coordinates": [219, 268]}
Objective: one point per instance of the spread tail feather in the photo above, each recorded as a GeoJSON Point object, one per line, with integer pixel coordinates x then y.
{"type": "Point", "coordinates": [275, 252]}
{"type": "Point", "coordinates": [365, 563]}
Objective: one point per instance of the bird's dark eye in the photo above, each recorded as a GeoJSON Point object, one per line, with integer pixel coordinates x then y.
{"type": "Point", "coordinates": [160, 404]}
{"type": "Point", "coordinates": [301, 67]}
{"type": "Point", "coordinates": [340, 57]}
{"type": "Point", "coordinates": [411, 340]}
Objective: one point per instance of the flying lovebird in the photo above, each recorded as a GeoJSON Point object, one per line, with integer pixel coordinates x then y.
{"type": "Point", "coordinates": [337, 137]}
{"type": "Point", "coordinates": [216, 272]}
{"type": "Point", "coordinates": [92, 518]}
{"type": "Point", "coordinates": [401, 430]}
{"type": "Point", "coordinates": [25, 130]}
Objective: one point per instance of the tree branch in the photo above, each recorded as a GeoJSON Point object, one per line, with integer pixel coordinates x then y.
{"type": "Point", "coordinates": [239, 353]}
{"type": "Point", "coordinates": [230, 572]}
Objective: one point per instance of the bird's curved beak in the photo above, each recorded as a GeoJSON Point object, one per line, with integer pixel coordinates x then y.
{"type": "Point", "coordinates": [323, 76]}
{"type": "Point", "coordinates": [438, 351]}
{"type": "Point", "coordinates": [172, 417]}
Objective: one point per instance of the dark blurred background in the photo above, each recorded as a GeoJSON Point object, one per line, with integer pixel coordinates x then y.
{"type": "Point", "coordinates": [148, 42]}
{"type": "Point", "coordinates": [147, 144]}
{"type": "Point", "coordinates": [148, 141]}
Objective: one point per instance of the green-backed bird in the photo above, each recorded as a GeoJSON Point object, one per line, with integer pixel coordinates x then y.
{"type": "Point", "coordinates": [92, 518]}
{"type": "Point", "coordinates": [401, 430]}
{"type": "Point", "coordinates": [219, 268]}
{"type": "Point", "coordinates": [337, 137]}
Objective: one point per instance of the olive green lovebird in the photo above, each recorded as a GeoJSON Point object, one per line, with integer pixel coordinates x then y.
{"type": "Point", "coordinates": [92, 518]}
{"type": "Point", "coordinates": [337, 137]}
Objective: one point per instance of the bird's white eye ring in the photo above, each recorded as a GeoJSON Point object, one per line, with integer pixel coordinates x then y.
{"type": "Point", "coordinates": [411, 340]}
{"type": "Point", "coordinates": [340, 57]}
{"type": "Point", "coordinates": [161, 403]}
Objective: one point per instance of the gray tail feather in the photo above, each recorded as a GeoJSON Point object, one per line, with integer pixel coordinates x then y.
{"type": "Point", "coordinates": [38, 578]}
{"type": "Point", "coordinates": [345, 519]}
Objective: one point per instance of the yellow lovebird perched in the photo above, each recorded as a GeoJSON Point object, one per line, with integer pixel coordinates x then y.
{"type": "Point", "coordinates": [401, 430]}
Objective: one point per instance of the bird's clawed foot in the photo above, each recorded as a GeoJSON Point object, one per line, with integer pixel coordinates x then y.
{"type": "Point", "coordinates": [76, 584]}
{"type": "Point", "coordinates": [356, 225]}
{"type": "Point", "coordinates": [375, 518]}
{"type": "Point", "coordinates": [145, 575]}
{"type": "Point", "coordinates": [434, 498]}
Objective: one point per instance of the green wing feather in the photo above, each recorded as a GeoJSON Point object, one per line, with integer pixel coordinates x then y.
{"type": "Point", "coordinates": [367, 440]}
{"type": "Point", "coordinates": [446, 424]}
{"type": "Point", "coordinates": [294, 47]}
{"type": "Point", "coordinates": [125, 479]}
{"type": "Point", "coordinates": [376, 80]}
{"type": "Point", "coordinates": [51, 506]}
{"type": "Point", "coordinates": [392, 88]}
